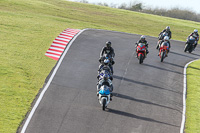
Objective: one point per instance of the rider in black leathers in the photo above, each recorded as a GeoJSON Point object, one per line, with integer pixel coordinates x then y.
{"type": "Point", "coordinates": [109, 52]}
{"type": "Point", "coordinates": [167, 30]}
{"type": "Point", "coordinates": [196, 36]}
{"type": "Point", "coordinates": [142, 40]}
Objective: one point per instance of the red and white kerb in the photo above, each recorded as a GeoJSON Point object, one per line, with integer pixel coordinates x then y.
{"type": "Point", "coordinates": [60, 43]}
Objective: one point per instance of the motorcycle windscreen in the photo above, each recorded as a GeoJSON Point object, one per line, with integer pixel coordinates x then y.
{"type": "Point", "coordinates": [165, 45]}
{"type": "Point", "coordinates": [104, 90]}
{"type": "Point", "coordinates": [191, 41]}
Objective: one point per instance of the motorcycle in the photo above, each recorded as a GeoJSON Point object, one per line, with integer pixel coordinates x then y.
{"type": "Point", "coordinates": [189, 45]}
{"type": "Point", "coordinates": [163, 50]}
{"type": "Point", "coordinates": [141, 52]}
{"type": "Point", "coordinates": [104, 96]}
{"type": "Point", "coordinates": [104, 72]}
{"type": "Point", "coordinates": [160, 38]}
{"type": "Point", "coordinates": [106, 65]}
{"type": "Point", "coordinates": [107, 56]}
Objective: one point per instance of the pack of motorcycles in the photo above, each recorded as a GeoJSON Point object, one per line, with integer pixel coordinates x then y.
{"type": "Point", "coordinates": [104, 90]}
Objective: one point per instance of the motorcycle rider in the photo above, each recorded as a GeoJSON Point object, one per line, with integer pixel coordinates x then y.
{"type": "Point", "coordinates": [105, 81]}
{"type": "Point", "coordinates": [142, 40]}
{"type": "Point", "coordinates": [169, 34]}
{"type": "Point", "coordinates": [107, 50]}
{"type": "Point", "coordinates": [107, 61]}
{"type": "Point", "coordinates": [168, 31]}
{"type": "Point", "coordinates": [107, 67]}
{"type": "Point", "coordinates": [196, 36]}
{"type": "Point", "coordinates": [166, 39]}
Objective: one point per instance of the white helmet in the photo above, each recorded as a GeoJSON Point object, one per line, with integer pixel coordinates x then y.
{"type": "Point", "coordinates": [142, 37]}
{"type": "Point", "coordinates": [195, 31]}
{"type": "Point", "coordinates": [166, 38]}
{"type": "Point", "coordinates": [106, 61]}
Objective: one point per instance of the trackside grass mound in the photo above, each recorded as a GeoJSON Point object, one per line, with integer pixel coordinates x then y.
{"type": "Point", "coordinates": [27, 29]}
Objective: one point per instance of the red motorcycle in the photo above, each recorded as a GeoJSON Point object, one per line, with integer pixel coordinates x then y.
{"type": "Point", "coordinates": [164, 48]}
{"type": "Point", "coordinates": [141, 52]}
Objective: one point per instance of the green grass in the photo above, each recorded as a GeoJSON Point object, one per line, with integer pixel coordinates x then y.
{"type": "Point", "coordinates": [27, 29]}
{"type": "Point", "coordinates": [193, 98]}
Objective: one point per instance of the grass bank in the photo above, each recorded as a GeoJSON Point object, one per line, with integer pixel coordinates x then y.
{"type": "Point", "coordinates": [28, 28]}
{"type": "Point", "coordinates": [193, 98]}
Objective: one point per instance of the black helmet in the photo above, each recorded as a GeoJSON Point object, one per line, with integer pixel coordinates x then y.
{"type": "Point", "coordinates": [108, 44]}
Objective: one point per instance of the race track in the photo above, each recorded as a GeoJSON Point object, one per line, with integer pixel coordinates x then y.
{"type": "Point", "coordinates": [147, 97]}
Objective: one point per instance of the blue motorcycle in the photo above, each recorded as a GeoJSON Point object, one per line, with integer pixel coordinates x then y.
{"type": "Point", "coordinates": [189, 45]}
{"type": "Point", "coordinates": [104, 96]}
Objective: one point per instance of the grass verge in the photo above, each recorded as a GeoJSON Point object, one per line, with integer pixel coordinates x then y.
{"type": "Point", "coordinates": [193, 98]}
{"type": "Point", "coordinates": [28, 28]}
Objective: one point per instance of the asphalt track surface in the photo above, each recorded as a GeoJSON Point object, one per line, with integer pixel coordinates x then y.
{"type": "Point", "coordinates": [147, 97]}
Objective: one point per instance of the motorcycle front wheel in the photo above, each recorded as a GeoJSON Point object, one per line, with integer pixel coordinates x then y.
{"type": "Point", "coordinates": [162, 56]}
{"type": "Point", "coordinates": [191, 49]}
{"type": "Point", "coordinates": [140, 59]}
{"type": "Point", "coordinates": [186, 48]}
{"type": "Point", "coordinates": [104, 104]}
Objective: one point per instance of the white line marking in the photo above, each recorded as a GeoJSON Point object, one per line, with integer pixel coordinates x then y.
{"type": "Point", "coordinates": [65, 37]}
{"type": "Point", "coordinates": [184, 96]}
{"type": "Point", "coordinates": [56, 48]}
{"type": "Point", "coordinates": [59, 45]}
{"type": "Point", "coordinates": [52, 55]}
{"type": "Point", "coordinates": [51, 51]}
{"type": "Point", "coordinates": [66, 34]}
{"type": "Point", "coordinates": [58, 38]}
{"type": "Point", "coordinates": [61, 42]}
{"type": "Point", "coordinates": [48, 83]}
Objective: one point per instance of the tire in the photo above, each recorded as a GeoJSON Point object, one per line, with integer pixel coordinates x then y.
{"type": "Point", "coordinates": [104, 104]}
{"type": "Point", "coordinates": [186, 48]}
{"type": "Point", "coordinates": [190, 50]}
{"type": "Point", "coordinates": [140, 59]}
{"type": "Point", "coordinates": [162, 56]}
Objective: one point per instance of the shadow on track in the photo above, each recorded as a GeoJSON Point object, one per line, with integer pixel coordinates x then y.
{"type": "Point", "coordinates": [143, 83]}
{"type": "Point", "coordinates": [174, 64]}
{"type": "Point", "coordinates": [193, 67]}
{"type": "Point", "coordinates": [164, 69]}
{"type": "Point", "coordinates": [184, 55]}
{"type": "Point", "coordinates": [195, 54]}
{"type": "Point", "coordinates": [138, 117]}
{"type": "Point", "coordinates": [142, 101]}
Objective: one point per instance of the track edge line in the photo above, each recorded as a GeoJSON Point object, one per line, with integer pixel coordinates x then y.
{"type": "Point", "coordinates": [185, 95]}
